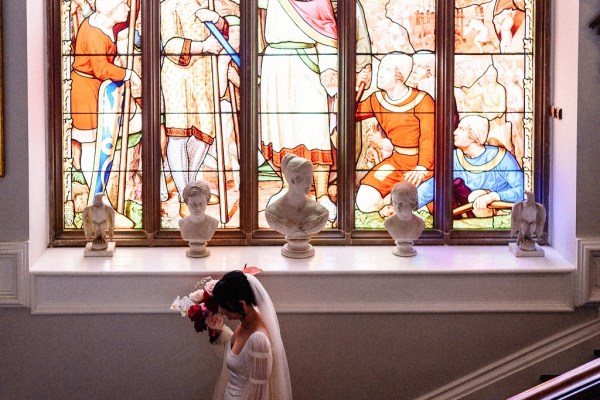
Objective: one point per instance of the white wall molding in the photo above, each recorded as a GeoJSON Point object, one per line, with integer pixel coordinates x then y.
{"type": "Point", "coordinates": [516, 362]}
{"type": "Point", "coordinates": [14, 274]}
{"type": "Point", "coordinates": [588, 271]}
{"type": "Point", "coordinates": [337, 279]}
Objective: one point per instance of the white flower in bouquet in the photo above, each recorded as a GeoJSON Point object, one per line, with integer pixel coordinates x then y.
{"type": "Point", "coordinates": [182, 305]}
{"type": "Point", "coordinates": [197, 296]}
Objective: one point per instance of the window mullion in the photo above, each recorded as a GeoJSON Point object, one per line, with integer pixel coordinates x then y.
{"type": "Point", "coordinates": [151, 164]}
{"type": "Point", "coordinates": [444, 116]}
{"type": "Point", "coordinates": [346, 110]}
{"type": "Point", "coordinates": [249, 139]}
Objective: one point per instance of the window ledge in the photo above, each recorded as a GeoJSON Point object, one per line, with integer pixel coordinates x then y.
{"type": "Point", "coordinates": [337, 279]}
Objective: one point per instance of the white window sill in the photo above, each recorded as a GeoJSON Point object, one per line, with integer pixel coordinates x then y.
{"type": "Point", "coordinates": [336, 279]}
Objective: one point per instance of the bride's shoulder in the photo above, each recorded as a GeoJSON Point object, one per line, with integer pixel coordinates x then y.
{"type": "Point", "coordinates": [259, 341]}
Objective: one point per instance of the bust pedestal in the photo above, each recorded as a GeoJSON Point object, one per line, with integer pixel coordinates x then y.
{"type": "Point", "coordinates": [298, 247]}
{"type": "Point", "coordinates": [404, 248]}
{"type": "Point", "coordinates": [197, 249]}
{"type": "Point", "coordinates": [518, 252]}
{"type": "Point", "coordinates": [90, 251]}
{"type": "Point", "coordinates": [197, 229]}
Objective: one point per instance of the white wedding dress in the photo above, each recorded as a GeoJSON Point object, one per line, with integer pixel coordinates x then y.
{"type": "Point", "coordinates": [250, 370]}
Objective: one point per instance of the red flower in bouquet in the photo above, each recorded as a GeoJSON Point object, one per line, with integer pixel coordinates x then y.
{"type": "Point", "coordinates": [202, 309]}
{"type": "Point", "coordinates": [198, 317]}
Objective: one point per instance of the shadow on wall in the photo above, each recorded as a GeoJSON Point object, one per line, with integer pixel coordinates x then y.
{"type": "Point", "coordinates": [595, 24]}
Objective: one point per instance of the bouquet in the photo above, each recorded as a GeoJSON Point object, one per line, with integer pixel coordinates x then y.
{"type": "Point", "coordinates": [202, 309]}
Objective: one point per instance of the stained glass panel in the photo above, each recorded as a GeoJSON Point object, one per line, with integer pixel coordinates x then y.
{"type": "Point", "coordinates": [396, 80]}
{"type": "Point", "coordinates": [493, 89]}
{"type": "Point", "coordinates": [200, 81]}
{"type": "Point", "coordinates": [101, 70]}
{"type": "Point", "coordinates": [298, 86]}
{"type": "Point", "coordinates": [294, 109]}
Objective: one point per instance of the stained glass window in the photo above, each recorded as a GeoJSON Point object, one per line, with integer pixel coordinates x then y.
{"type": "Point", "coordinates": [200, 81]}
{"type": "Point", "coordinates": [493, 89]}
{"type": "Point", "coordinates": [101, 113]}
{"type": "Point", "coordinates": [396, 80]}
{"type": "Point", "coordinates": [298, 88]}
{"type": "Point", "coordinates": [447, 96]}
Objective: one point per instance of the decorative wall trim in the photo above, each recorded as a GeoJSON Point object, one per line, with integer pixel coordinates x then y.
{"type": "Point", "coordinates": [14, 274]}
{"type": "Point", "coordinates": [516, 362]}
{"type": "Point", "coordinates": [337, 279]}
{"type": "Point", "coordinates": [588, 271]}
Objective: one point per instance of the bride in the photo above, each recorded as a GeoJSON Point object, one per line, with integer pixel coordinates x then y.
{"type": "Point", "coordinates": [255, 365]}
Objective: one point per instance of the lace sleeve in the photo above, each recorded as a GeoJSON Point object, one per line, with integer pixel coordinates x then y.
{"type": "Point", "coordinates": [259, 361]}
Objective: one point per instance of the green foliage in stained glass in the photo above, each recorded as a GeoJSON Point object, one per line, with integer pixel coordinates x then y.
{"type": "Point", "coordinates": [372, 220]}
{"type": "Point", "coordinates": [495, 222]}
{"type": "Point", "coordinates": [78, 220]}
{"type": "Point", "coordinates": [266, 173]}
{"type": "Point", "coordinates": [133, 211]}
{"type": "Point", "coordinates": [427, 217]}
{"type": "Point", "coordinates": [132, 141]}
{"type": "Point", "coordinates": [77, 176]}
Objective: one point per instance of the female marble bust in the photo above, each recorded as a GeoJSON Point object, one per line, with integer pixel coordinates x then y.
{"type": "Point", "coordinates": [404, 227]}
{"type": "Point", "coordinates": [197, 228]}
{"type": "Point", "coordinates": [296, 215]}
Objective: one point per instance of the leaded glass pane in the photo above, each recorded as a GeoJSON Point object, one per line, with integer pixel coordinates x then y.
{"type": "Point", "coordinates": [493, 89]}
{"type": "Point", "coordinates": [200, 107]}
{"type": "Point", "coordinates": [298, 85]}
{"type": "Point", "coordinates": [396, 80]}
{"type": "Point", "coordinates": [101, 69]}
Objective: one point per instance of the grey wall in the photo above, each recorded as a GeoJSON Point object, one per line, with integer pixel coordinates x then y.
{"type": "Point", "coordinates": [346, 357]}
{"type": "Point", "coordinates": [14, 186]}
{"type": "Point", "coordinates": [588, 122]}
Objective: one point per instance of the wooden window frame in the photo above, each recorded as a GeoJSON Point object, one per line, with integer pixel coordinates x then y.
{"type": "Point", "coordinates": [248, 234]}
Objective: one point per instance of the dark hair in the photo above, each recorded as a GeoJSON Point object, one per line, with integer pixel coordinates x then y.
{"type": "Point", "coordinates": [232, 288]}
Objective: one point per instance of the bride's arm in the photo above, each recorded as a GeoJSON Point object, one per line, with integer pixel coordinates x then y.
{"type": "Point", "coordinates": [224, 336]}
{"type": "Point", "coordinates": [259, 361]}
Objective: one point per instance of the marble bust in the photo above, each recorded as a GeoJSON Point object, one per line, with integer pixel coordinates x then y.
{"type": "Point", "coordinates": [197, 228]}
{"type": "Point", "coordinates": [404, 226]}
{"type": "Point", "coordinates": [99, 226]}
{"type": "Point", "coordinates": [527, 219]}
{"type": "Point", "coordinates": [294, 214]}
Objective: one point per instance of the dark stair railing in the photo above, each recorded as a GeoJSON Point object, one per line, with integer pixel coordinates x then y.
{"type": "Point", "coordinates": [581, 383]}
